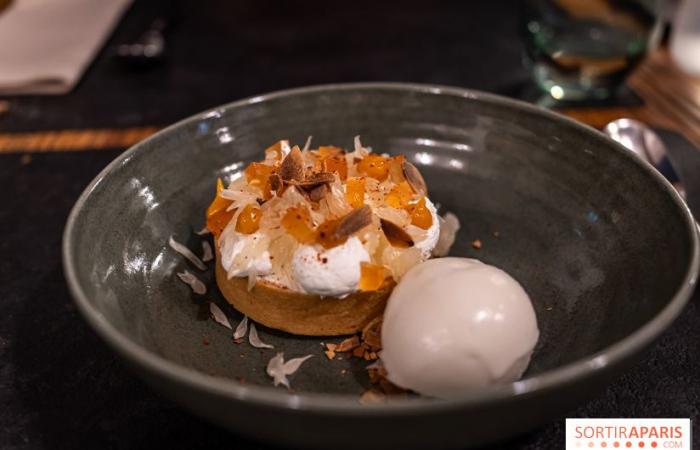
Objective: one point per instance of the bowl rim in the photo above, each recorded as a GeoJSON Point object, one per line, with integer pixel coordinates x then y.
{"type": "Point", "coordinates": [342, 403]}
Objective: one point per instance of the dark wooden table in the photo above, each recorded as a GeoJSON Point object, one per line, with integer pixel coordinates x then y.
{"type": "Point", "coordinates": [60, 387]}
{"type": "Point", "coordinates": [671, 99]}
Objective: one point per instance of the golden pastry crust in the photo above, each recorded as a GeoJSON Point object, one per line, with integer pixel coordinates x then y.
{"type": "Point", "coordinates": [302, 314]}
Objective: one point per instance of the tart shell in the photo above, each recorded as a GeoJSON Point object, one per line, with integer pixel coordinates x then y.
{"type": "Point", "coordinates": [299, 313]}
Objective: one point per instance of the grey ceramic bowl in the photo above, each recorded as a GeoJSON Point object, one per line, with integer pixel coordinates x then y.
{"type": "Point", "coordinates": [603, 245]}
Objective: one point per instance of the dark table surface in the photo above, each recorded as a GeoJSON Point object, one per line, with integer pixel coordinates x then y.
{"type": "Point", "coordinates": [60, 387]}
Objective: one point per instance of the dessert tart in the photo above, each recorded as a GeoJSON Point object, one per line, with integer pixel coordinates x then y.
{"type": "Point", "coordinates": [313, 241]}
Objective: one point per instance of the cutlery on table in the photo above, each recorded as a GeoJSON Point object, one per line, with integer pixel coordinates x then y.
{"type": "Point", "coordinates": [668, 152]}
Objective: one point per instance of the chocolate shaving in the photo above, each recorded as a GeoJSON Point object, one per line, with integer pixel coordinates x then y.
{"type": "Point", "coordinates": [315, 186]}
{"type": "Point", "coordinates": [275, 182]}
{"type": "Point", "coordinates": [397, 236]}
{"type": "Point", "coordinates": [316, 179]}
{"type": "Point", "coordinates": [292, 167]}
{"type": "Point", "coordinates": [353, 222]}
{"type": "Point", "coordinates": [303, 192]}
{"type": "Point", "coordinates": [317, 193]}
{"type": "Point", "coordinates": [414, 178]}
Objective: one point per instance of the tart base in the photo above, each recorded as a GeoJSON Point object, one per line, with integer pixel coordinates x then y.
{"type": "Point", "coordinates": [302, 314]}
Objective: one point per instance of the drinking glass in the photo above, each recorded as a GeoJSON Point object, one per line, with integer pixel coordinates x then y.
{"type": "Point", "coordinates": [584, 49]}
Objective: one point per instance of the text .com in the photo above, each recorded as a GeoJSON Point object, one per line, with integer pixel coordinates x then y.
{"type": "Point", "coordinates": [628, 433]}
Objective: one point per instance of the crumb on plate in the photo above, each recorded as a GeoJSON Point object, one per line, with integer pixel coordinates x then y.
{"type": "Point", "coordinates": [372, 397]}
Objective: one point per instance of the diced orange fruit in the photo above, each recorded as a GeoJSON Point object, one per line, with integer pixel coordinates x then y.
{"type": "Point", "coordinates": [355, 192]}
{"type": "Point", "coordinates": [319, 166]}
{"type": "Point", "coordinates": [219, 202]}
{"type": "Point", "coordinates": [336, 164]}
{"type": "Point", "coordinates": [258, 174]}
{"type": "Point", "coordinates": [249, 220]}
{"type": "Point", "coordinates": [274, 151]}
{"type": "Point", "coordinates": [400, 195]}
{"type": "Point", "coordinates": [420, 214]}
{"type": "Point", "coordinates": [217, 216]}
{"type": "Point", "coordinates": [396, 169]}
{"type": "Point", "coordinates": [324, 151]}
{"type": "Point", "coordinates": [326, 234]}
{"type": "Point", "coordinates": [218, 221]}
{"type": "Point", "coordinates": [371, 276]}
{"type": "Point", "coordinates": [297, 222]}
{"type": "Point", "coordinates": [375, 166]}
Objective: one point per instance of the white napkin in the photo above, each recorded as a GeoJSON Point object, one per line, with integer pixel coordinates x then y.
{"type": "Point", "coordinates": [45, 45]}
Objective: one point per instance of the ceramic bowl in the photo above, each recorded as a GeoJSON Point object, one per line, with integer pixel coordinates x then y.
{"type": "Point", "coordinates": [603, 245]}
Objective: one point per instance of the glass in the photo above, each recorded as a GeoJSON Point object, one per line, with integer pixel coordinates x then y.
{"type": "Point", "coordinates": [584, 49]}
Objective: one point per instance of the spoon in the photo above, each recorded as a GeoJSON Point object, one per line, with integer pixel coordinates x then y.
{"type": "Point", "coordinates": [647, 145]}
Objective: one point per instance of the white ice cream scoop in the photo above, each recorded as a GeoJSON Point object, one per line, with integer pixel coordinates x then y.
{"type": "Point", "coordinates": [455, 324]}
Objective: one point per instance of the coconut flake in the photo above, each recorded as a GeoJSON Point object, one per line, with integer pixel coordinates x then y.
{"type": "Point", "coordinates": [252, 278]}
{"type": "Point", "coordinates": [278, 370]}
{"type": "Point", "coordinates": [293, 364]}
{"type": "Point", "coordinates": [193, 282]}
{"type": "Point", "coordinates": [449, 225]}
{"type": "Point", "coordinates": [207, 254]}
{"type": "Point", "coordinates": [307, 146]}
{"type": "Point", "coordinates": [361, 151]}
{"type": "Point", "coordinates": [203, 231]}
{"type": "Point", "coordinates": [187, 253]}
{"type": "Point", "coordinates": [358, 143]}
{"type": "Point", "coordinates": [218, 315]}
{"type": "Point", "coordinates": [239, 198]}
{"type": "Point", "coordinates": [284, 148]}
{"type": "Point", "coordinates": [254, 339]}
{"type": "Point", "coordinates": [241, 329]}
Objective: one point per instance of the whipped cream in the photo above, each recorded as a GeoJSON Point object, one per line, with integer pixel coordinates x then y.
{"type": "Point", "coordinates": [332, 273]}
{"type": "Point", "coordinates": [456, 324]}
{"type": "Point", "coordinates": [329, 272]}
